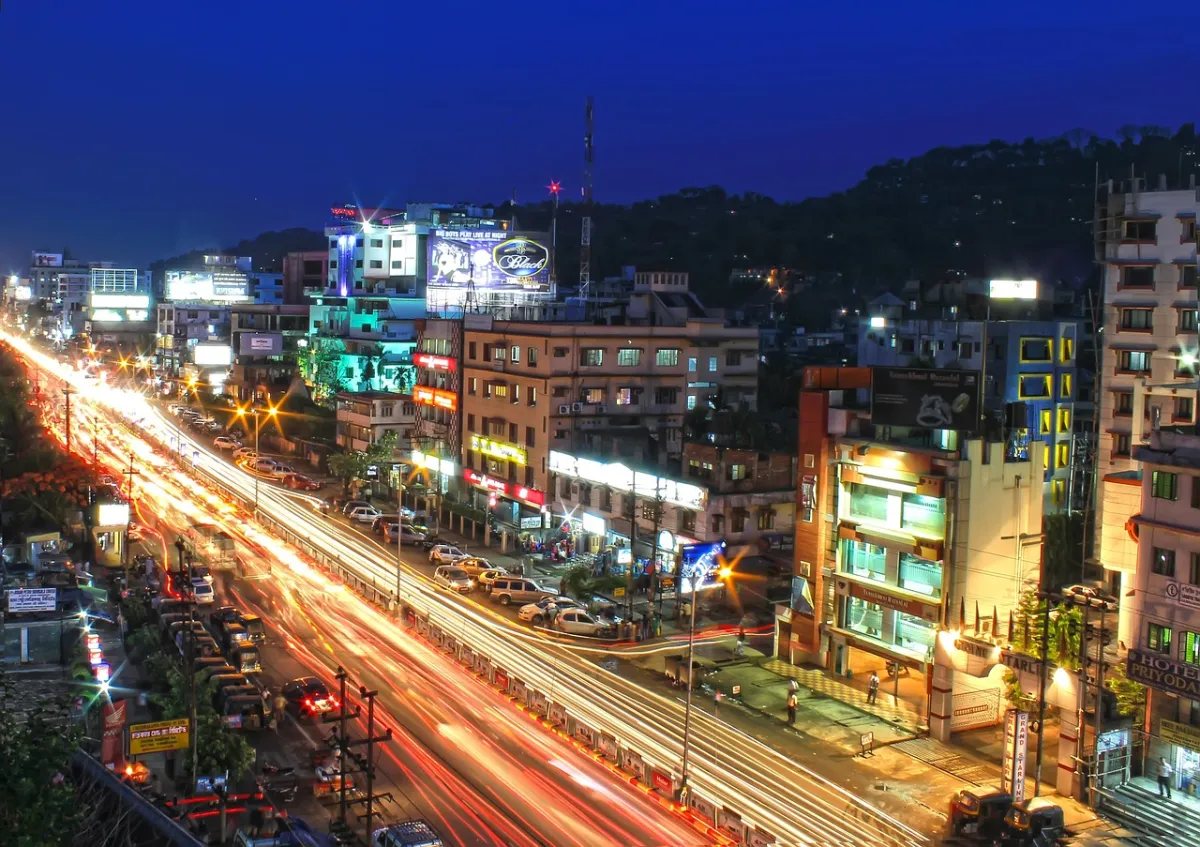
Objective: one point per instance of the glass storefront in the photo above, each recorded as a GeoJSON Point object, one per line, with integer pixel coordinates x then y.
{"type": "Point", "coordinates": [915, 636]}
{"type": "Point", "coordinates": [894, 629]}
{"type": "Point", "coordinates": [863, 617]}
{"type": "Point", "coordinates": [919, 514]}
{"type": "Point", "coordinates": [865, 560]}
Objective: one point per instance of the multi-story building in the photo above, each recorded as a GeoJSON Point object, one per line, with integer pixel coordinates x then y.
{"type": "Point", "coordinates": [1160, 603]}
{"type": "Point", "coordinates": [266, 341]}
{"type": "Point", "coordinates": [438, 398]}
{"type": "Point", "coordinates": [266, 289]}
{"type": "Point", "coordinates": [1037, 389]}
{"type": "Point", "coordinates": [751, 495]}
{"type": "Point", "coordinates": [181, 328]}
{"type": "Point", "coordinates": [302, 271]}
{"type": "Point", "coordinates": [1146, 244]}
{"type": "Point", "coordinates": [899, 531]}
{"type": "Point", "coordinates": [363, 417]}
{"type": "Point", "coordinates": [620, 388]}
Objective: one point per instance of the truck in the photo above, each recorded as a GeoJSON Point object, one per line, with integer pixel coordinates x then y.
{"type": "Point", "coordinates": [211, 546]}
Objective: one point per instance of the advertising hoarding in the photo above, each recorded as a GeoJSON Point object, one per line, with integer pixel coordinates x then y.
{"type": "Point", "coordinates": [24, 292]}
{"type": "Point", "coordinates": [112, 514]}
{"type": "Point", "coordinates": [260, 344]}
{"type": "Point", "coordinates": [1016, 740]}
{"type": "Point", "coordinates": [494, 260]}
{"type": "Point", "coordinates": [210, 354]}
{"type": "Point", "coordinates": [498, 449]}
{"type": "Point", "coordinates": [427, 396]}
{"type": "Point", "coordinates": [159, 736]}
{"type": "Point", "coordinates": [698, 565]}
{"type": "Point", "coordinates": [625, 479]}
{"type": "Point", "coordinates": [223, 286]}
{"type": "Point", "coordinates": [47, 260]}
{"type": "Point", "coordinates": [1013, 289]}
{"type": "Point", "coordinates": [925, 397]}
{"type": "Point", "coordinates": [32, 599]}
{"type": "Point", "coordinates": [433, 363]}
{"type": "Point", "coordinates": [520, 492]}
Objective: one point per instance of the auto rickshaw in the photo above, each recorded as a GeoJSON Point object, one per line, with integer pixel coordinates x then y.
{"type": "Point", "coordinates": [244, 712]}
{"type": "Point", "coordinates": [1035, 822]}
{"type": "Point", "coordinates": [979, 811]}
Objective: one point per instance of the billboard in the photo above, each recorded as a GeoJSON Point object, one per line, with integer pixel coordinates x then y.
{"type": "Point", "coordinates": [47, 260]}
{"type": "Point", "coordinates": [925, 397]}
{"type": "Point", "coordinates": [222, 286]}
{"type": "Point", "coordinates": [494, 260]}
{"type": "Point", "coordinates": [32, 599]}
{"type": "Point", "coordinates": [427, 396]}
{"type": "Point", "coordinates": [260, 344]}
{"type": "Point", "coordinates": [159, 737]}
{"type": "Point", "coordinates": [212, 355]}
{"type": "Point", "coordinates": [698, 565]}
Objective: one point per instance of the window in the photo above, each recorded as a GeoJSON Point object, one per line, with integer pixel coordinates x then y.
{"type": "Point", "coordinates": [736, 472]}
{"type": "Point", "coordinates": [1064, 420]}
{"type": "Point", "coordinates": [514, 355]}
{"type": "Point", "coordinates": [629, 357]}
{"type": "Point", "coordinates": [1183, 408]}
{"type": "Point", "coordinates": [1187, 276]}
{"type": "Point", "coordinates": [1187, 320]}
{"type": "Point", "coordinates": [1046, 418]}
{"type": "Point", "coordinates": [1122, 402]}
{"type": "Point", "coordinates": [1034, 386]}
{"type": "Point", "coordinates": [397, 264]}
{"type": "Point", "coordinates": [665, 396]}
{"type": "Point", "coordinates": [513, 432]}
{"type": "Point", "coordinates": [766, 519]}
{"type": "Point", "coordinates": [376, 264]}
{"type": "Point", "coordinates": [717, 524]}
{"type": "Point", "coordinates": [1133, 361]}
{"type": "Point", "coordinates": [358, 263]}
{"type": "Point", "coordinates": [1062, 454]}
{"type": "Point", "coordinates": [386, 410]}
{"type": "Point", "coordinates": [923, 515]}
{"type": "Point", "coordinates": [1188, 231]}
{"type": "Point", "coordinates": [470, 423]}
{"type": "Point", "coordinates": [606, 499]}
{"type": "Point", "coordinates": [868, 502]}
{"type": "Point", "coordinates": [691, 366]}
{"type": "Point", "coordinates": [1058, 491]}
{"type": "Point", "coordinates": [377, 242]}
{"type": "Point", "coordinates": [529, 476]}
{"type": "Point", "coordinates": [691, 402]}
{"type": "Point", "coordinates": [516, 393]}
{"type": "Point", "coordinates": [687, 521]}
{"type": "Point", "coordinates": [530, 433]}
{"type": "Point", "coordinates": [591, 356]}
{"type": "Point", "coordinates": [667, 357]}
{"type": "Point", "coordinates": [1068, 350]}
{"type": "Point", "coordinates": [1164, 485]}
{"type": "Point", "coordinates": [628, 396]}
{"type": "Point", "coordinates": [712, 364]}
{"type": "Point", "coordinates": [1158, 638]}
{"type": "Point", "coordinates": [1137, 319]}
{"type": "Point", "coordinates": [700, 470]}
{"type": "Point", "coordinates": [1036, 350]}
{"type": "Point", "coordinates": [908, 345]}
{"type": "Point", "coordinates": [472, 385]}
{"type": "Point", "coordinates": [1191, 649]}
{"type": "Point", "coordinates": [531, 397]}
{"type": "Point", "coordinates": [1143, 232]}
{"type": "Point", "coordinates": [865, 560]}
{"type": "Point", "coordinates": [1137, 276]}
{"type": "Point", "coordinates": [733, 358]}
{"type": "Point", "coordinates": [592, 396]}
{"type": "Point", "coordinates": [1065, 386]}
{"type": "Point", "coordinates": [497, 389]}
{"type": "Point", "coordinates": [920, 575]}
{"type": "Point", "coordinates": [531, 357]}
{"type": "Point", "coordinates": [561, 352]}
{"type": "Point", "coordinates": [471, 350]}
{"type": "Point", "coordinates": [498, 353]}
{"type": "Point", "coordinates": [1194, 576]}
{"type": "Point", "coordinates": [737, 522]}
{"type": "Point", "coordinates": [1121, 443]}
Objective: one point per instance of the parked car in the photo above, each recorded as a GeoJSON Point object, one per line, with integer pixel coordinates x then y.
{"type": "Point", "coordinates": [507, 590]}
{"type": "Point", "coordinates": [226, 442]}
{"type": "Point", "coordinates": [543, 610]}
{"type": "Point", "coordinates": [300, 482]}
{"type": "Point", "coordinates": [413, 833]}
{"type": "Point", "coordinates": [579, 622]}
{"type": "Point", "coordinates": [202, 592]}
{"type": "Point", "coordinates": [363, 514]}
{"type": "Point", "coordinates": [474, 565]}
{"type": "Point", "coordinates": [281, 471]}
{"type": "Point", "coordinates": [378, 525]}
{"type": "Point", "coordinates": [262, 465]}
{"type": "Point", "coordinates": [308, 697]}
{"type": "Point", "coordinates": [407, 533]}
{"type": "Point", "coordinates": [453, 578]}
{"type": "Point", "coordinates": [1090, 594]}
{"type": "Point", "coordinates": [350, 505]}
{"type": "Point", "coordinates": [486, 578]}
{"type": "Point", "coordinates": [446, 554]}
{"type": "Point", "coordinates": [247, 453]}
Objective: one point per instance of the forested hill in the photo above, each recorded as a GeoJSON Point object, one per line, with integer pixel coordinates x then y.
{"type": "Point", "coordinates": [989, 209]}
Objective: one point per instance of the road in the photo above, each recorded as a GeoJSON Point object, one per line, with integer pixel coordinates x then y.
{"type": "Point", "coordinates": [772, 794]}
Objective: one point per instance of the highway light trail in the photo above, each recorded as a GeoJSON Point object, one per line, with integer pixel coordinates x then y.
{"type": "Point", "coordinates": [770, 791]}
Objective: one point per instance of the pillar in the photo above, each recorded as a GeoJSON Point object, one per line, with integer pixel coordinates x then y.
{"type": "Point", "coordinates": [1067, 781]}
{"type": "Point", "coordinates": [504, 541]}
{"type": "Point", "coordinates": [941, 702]}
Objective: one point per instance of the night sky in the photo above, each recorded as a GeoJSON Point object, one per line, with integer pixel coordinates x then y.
{"type": "Point", "coordinates": [135, 130]}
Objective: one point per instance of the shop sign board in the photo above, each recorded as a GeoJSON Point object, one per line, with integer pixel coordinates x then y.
{"type": "Point", "coordinates": [929, 398]}
{"type": "Point", "coordinates": [32, 600]}
{"type": "Point", "coordinates": [158, 736]}
{"type": "Point", "coordinates": [1165, 674]}
{"type": "Point", "coordinates": [1016, 740]}
{"type": "Point", "coordinates": [1180, 734]}
{"type": "Point", "coordinates": [868, 594]}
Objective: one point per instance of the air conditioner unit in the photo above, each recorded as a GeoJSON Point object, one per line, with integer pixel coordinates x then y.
{"type": "Point", "coordinates": [564, 409]}
{"type": "Point", "coordinates": [576, 407]}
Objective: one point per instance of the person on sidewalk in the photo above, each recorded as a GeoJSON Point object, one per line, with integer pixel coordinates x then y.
{"type": "Point", "coordinates": [1164, 777]}
{"type": "Point", "coordinates": [873, 688]}
{"type": "Point", "coordinates": [739, 647]}
{"type": "Point", "coordinates": [791, 708]}
{"type": "Point", "coordinates": [717, 698]}
{"type": "Point", "coordinates": [793, 686]}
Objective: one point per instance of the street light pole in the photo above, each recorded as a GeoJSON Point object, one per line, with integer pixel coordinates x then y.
{"type": "Point", "coordinates": [687, 712]}
{"type": "Point", "coordinates": [257, 427]}
{"type": "Point", "coordinates": [399, 533]}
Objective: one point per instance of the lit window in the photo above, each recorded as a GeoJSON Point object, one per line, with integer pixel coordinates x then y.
{"type": "Point", "coordinates": [1068, 350]}
{"type": "Point", "coordinates": [1064, 420]}
{"type": "Point", "coordinates": [667, 357]}
{"type": "Point", "coordinates": [1158, 638]}
{"type": "Point", "coordinates": [1164, 485]}
{"type": "Point", "coordinates": [691, 401]}
{"type": "Point", "coordinates": [1064, 386]}
{"type": "Point", "coordinates": [1034, 386]}
{"type": "Point", "coordinates": [1045, 429]}
{"type": "Point", "coordinates": [629, 357]}
{"type": "Point", "coordinates": [1062, 454]}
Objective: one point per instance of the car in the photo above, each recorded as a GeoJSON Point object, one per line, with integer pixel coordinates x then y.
{"type": "Point", "coordinates": [580, 622]}
{"type": "Point", "coordinates": [408, 535]}
{"type": "Point", "coordinates": [308, 697]}
{"type": "Point", "coordinates": [175, 408]}
{"type": "Point", "coordinates": [507, 590]}
{"type": "Point", "coordinates": [1090, 595]}
{"type": "Point", "coordinates": [474, 565]}
{"type": "Point", "coordinates": [363, 514]}
{"type": "Point", "coordinates": [202, 593]}
{"type": "Point", "coordinates": [454, 578]}
{"type": "Point", "coordinates": [377, 525]}
{"type": "Point", "coordinates": [485, 579]}
{"type": "Point", "coordinates": [247, 453]}
{"type": "Point", "coordinates": [350, 505]}
{"type": "Point", "coordinates": [546, 608]}
{"type": "Point", "coordinates": [446, 554]}
{"type": "Point", "coordinates": [213, 425]}
{"type": "Point", "coordinates": [300, 482]}
{"type": "Point", "coordinates": [200, 572]}
{"type": "Point", "coordinates": [262, 465]}
{"type": "Point", "coordinates": [226, 442]}
{"type": "Point", "coordinates": [281, 471]}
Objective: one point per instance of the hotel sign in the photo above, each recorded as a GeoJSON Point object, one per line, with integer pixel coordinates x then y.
{"type": "Point", "coordinates": [427, 396]}
{"type": "Point", "coordinates": [888, 601]}
{"type": "Point", "coordinates": [499, 450]}
{"type": "Point", "coordinates": [508, 489]}
{"type": "Point", "coordinates": [1165, 674]}
{"type": "Point", "coordinates": [434, 363]}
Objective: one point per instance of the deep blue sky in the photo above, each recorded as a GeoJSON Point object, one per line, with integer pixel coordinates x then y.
{"type": "Point", "coordinates": [136, 129]}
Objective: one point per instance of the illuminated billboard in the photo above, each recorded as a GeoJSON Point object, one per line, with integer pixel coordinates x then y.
{"type": "Point", "coordinates": [47, 260]}
{"type": "Point", "coordinates": [212, 355]}
{"type": "Point", "coordinates": [260, 344]}
{"type": "Point", "coordinates": [699, 564]}
{"type": "Point", "coordinates": [223, 286]}
{"type": "Point", "coordinates": [433, 363]}
{"type": "Point", "coordinates": [427, 396]}
{"type": "Point", "coordinates": [118, 308]}
{"type": "Point", "coordinates": [494, 260]}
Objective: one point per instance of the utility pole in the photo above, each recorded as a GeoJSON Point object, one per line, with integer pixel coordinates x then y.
{"type": "Point", "coordinates": [339, 741]}
{"type": "Point", "coordinates": [1037, 781]}
{"type": "Point", "coordinates": [585, 239]}
{"type": "Point", "coordinates": [399, 534]}
{"type": "Point", "coordinates": [68, 391]}
{"type": "Point", "coordinates": [367, 762]}
{"type": "Point", "coordinates": [687, 712]}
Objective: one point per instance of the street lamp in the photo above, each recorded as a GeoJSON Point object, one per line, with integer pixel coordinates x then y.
{"type": "Point", "coordinates": [254, 410]}
{"type": "Point", "coordinates": [723, 573]}
{"type": "Point", "coordinates": [399, 532]}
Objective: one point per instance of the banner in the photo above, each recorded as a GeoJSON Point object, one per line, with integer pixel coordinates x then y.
{"type": "Point", "coordinates": [1016, 740]}
{"type": "Point", "coordinates": [115, 715]}
{"type": "Point", "coordinates": [927, 398]}
{"type": "Point", "coordinates": [159, 736]}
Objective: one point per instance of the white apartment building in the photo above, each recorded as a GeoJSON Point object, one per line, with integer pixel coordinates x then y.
{"type": "Point", "coordinates": [1147, 248]}
{"type": "Point", "coordinates": [363, 417]}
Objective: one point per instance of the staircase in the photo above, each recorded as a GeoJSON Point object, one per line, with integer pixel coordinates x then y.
{"type": "Point", "coordinates": [1162, 823]}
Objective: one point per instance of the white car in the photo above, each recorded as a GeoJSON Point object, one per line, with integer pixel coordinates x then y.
{"type": "Point", "coordinates": [455, 579]}
{"type": "Point", "coordinates": [282, 471]}
{"type": "Point", "coordinates": [262, 465]}
{"type": "Point", "coordinates": [364, 514]}
{"type": "Point", "coordinates": [543, 610]}
{"type": "Point", "coordinates": [203, 593]}
{"type": "Point", "coordinates": [247, 453]}
{"type": "Point", "coordinates": [446, 554]}
{"type": "Point", "coordinates": [579, 622]}
{"type": "Point", "coordinates": [225, 442]}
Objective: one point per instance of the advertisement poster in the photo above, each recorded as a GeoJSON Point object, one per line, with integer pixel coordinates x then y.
{"type": "Point", "coordinates": [928, 398]}
{"type": "Point", "coordinates": [493, 260]}
{"type": "Point", "coordinates": [699, 564]}
{"type": "Point", "coordinates": [208, 286]}
{"type": "Point", "coordinates": [115, 715]}
{"type": "Point", "coordinates": [47, 260]}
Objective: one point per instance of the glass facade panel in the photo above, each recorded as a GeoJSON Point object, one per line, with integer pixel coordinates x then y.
{"type": "Point", "coordinates": [864, 617]}
{"type": "Point", "coordinates": [920, 575]}
{"type": "Point", "coordinates": [869, 503]}
{"type": "Point", "coordinates": [865, 560]}
{"type": "Point", "coordinates": [924, 516]}
{"type": "Point", "coordinates": [914, 635]}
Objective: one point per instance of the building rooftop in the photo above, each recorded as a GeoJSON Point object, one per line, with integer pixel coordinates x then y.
{"type": "Point", "coordinates": [1175, 447]}
{"type": "Point", "coordinates": [371, 395]}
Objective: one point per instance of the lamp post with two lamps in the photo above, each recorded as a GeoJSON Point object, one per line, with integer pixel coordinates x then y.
{"type": "Point", "coordinates": [723, 573]}
{"type": "Point", "coordinates": [270, 411]}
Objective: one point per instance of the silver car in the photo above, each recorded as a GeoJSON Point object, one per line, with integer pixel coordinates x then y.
{"type": "Point", "coordinates": [453, 578]}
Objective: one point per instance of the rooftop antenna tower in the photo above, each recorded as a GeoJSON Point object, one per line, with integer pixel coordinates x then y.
{"type": "Point", "coordinates": [585, 242]}
{"type": "Point", "coordinates": [555, 189]}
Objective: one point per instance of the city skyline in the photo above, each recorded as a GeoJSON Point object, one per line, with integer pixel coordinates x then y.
{"type": "Point", "coordinates": [168, 146]}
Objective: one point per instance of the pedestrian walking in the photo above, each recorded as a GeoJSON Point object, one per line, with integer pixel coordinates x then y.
{"type": "Point", "coordinates": [791, 708]}
{"type": "Point", "coordinates": [873, 688]}
{"type": "Point", "coordinates": [278, 708]}
{"type": "Point", "coordinates": [793, 686]}
{"type": "Point", "coordinates": [739, 647]}
{"type": "Point", "coordinates": [1164, 777]}
{"type": "Point", "coordinates": [717, 698]}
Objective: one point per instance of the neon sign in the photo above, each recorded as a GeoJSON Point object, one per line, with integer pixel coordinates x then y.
{"type": "Point", "coordinates": [499, 450]}
{"type": "Point", "coordinates": [499, 486]}
{"type": "Point", "coordinates": [435, 397]}
{"type": "Point", "coordinates": [434, 363]}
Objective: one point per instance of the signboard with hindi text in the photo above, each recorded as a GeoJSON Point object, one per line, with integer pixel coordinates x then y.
{"type": "Point", "coordinates": [159, 736]}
